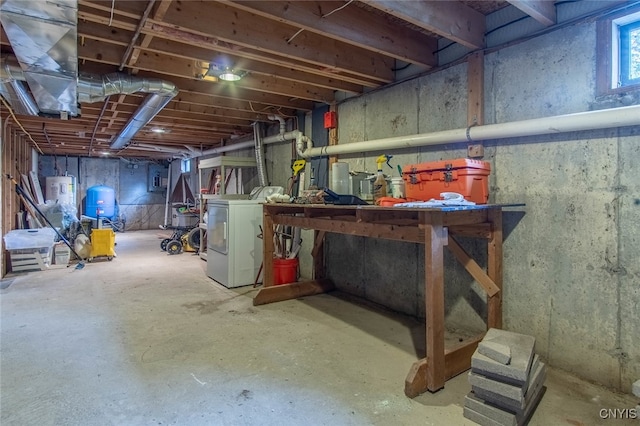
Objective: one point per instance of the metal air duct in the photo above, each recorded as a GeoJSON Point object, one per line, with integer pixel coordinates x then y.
{"type": "Point", "coordinates": [44, 35]}
{"type": "Point", "coordinates": [97, 88]}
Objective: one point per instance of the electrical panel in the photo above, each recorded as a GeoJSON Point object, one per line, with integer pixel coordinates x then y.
{"type": "Point", "coordinates": [157, 181]}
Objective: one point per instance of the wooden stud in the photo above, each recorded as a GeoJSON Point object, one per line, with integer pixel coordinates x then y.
{"type": "Point", "coordinates": [279, 293]}
{"type": "Point", "coordinates": [318, 254]}
{"type": "Point", "coordinates": [494, 269]}
{"type": "Point", "coordinates": [268, 251]}
{"type": "Point", "coordinates": [472, 267]}
{"type": "Point", "coordinates": [435, 240]}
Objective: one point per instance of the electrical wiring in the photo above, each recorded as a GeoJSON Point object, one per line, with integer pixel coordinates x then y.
{"type": "Point", "coordinates": [323, 16]}
{"type": "Point", "coordinates": [20, 124]}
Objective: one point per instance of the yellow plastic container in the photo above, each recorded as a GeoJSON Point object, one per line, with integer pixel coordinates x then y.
{"type": "Point", "coordinates": [103, 243]}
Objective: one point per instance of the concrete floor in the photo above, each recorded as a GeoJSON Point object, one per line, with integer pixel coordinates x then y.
{"type": "Point", "coordinates": [149, 339]}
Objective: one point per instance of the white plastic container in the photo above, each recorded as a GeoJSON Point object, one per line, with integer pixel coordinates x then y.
{"type": "Point", "coordinates": [397, 187]}
{"type": "Point", "coordinates": [340, 178]}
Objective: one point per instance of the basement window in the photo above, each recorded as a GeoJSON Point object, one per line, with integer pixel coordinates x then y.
{"type": "Point", "coordinates": [619, 53]}
{"type": "Point", "coordinates": [185, 166]}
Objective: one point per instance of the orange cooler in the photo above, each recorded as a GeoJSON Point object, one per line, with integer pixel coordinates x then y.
{"type": "Point", "coordinates": [425, 181]}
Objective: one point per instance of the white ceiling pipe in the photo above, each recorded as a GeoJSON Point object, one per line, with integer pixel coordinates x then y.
{"type": "Point", "coordinates": [227, 148]}
{"type": "Point", "coordinates": [591, 120]}
{"type": "Point", "coordinates": [282, 137]}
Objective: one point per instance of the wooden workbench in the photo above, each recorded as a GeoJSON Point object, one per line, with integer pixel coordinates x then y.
{"type": "Point", "coordinates": [436, 228]}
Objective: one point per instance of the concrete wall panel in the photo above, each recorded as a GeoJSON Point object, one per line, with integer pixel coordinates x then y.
{"type": "Point", "coordinates": [570, 255]}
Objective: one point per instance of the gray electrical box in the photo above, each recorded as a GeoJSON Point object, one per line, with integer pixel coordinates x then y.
{"type": "Point", "coordinates": [157, 181]}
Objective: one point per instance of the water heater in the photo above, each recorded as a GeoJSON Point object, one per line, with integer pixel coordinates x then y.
{"type": "Point", "coordinates": [61, 189]}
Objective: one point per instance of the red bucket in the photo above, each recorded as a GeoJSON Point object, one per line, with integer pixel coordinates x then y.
{"type": "Point", "coordinates": [285, 271]}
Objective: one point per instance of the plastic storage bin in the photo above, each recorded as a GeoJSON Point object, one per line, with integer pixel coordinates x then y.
{"type": "Point", "coordinates": [62, 254]}
{"type": "Point", "coordinates": [468, 177]}
{"type": "Point", "coordinates": [30, 249]}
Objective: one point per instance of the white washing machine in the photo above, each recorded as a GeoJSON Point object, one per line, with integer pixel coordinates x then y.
{"type": "Point", "coordinates": [234, 251]}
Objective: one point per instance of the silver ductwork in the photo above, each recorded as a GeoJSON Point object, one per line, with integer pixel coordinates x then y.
{"type": "Point", "coordinates": [97, 88]}
{"type": "Point", "coordinates": [16, 93]}
{"type": "Point", "coordinates": [44, 35]}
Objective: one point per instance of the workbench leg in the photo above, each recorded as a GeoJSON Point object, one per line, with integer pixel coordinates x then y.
{"type": "Point", "coordinates": [318, 254]}
{"type": "Point", "coordinates": [494, 269]}
{"type": "Point", "coordinates": [267, 250]}
{"type": "Point", "coordinates": [435, 240]}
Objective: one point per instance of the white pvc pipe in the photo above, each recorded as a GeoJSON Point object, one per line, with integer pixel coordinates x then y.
{"type": "Point", "coordinates": [591, 120]}
{"type": "Point", "coordinates": [282, 137]}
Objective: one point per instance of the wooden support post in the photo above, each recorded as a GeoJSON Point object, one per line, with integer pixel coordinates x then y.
{"type": "Point", "coordinates": [475, 96]}
{"type": "Point", "coordinates": [267, 249]}
{"type": "Point", "coordinates": [494, 269]}
{"type": "Point", "coordinates": [435, 240]}
{"type": "Point", "coordinates": [318, 254]}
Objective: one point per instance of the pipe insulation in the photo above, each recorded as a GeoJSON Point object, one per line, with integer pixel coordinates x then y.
{"type": "Point", "coordinates": [590, 120]}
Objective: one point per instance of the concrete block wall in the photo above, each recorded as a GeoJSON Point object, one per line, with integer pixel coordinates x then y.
{"type": "Point", "coordinates": [571, 276]}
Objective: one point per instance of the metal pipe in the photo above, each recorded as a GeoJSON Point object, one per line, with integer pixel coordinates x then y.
{"type": "Point", "coordinates": [262, 167]}
{"type": "Point", "coordinates": [95, 128]}
{"type": "Point", "coordinates": [591, 120]}
{"type": "Point", "coordinates": [227, 148]}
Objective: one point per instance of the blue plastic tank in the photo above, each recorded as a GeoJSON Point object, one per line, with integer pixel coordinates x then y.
{"type": "Point", "coordinates": [101, 201]}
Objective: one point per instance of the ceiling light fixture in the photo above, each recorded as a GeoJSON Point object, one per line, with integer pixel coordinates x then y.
{"type": "Point", "coordinates": [158, 130]}
{"type": "Point", "coordinates": [225, 73]}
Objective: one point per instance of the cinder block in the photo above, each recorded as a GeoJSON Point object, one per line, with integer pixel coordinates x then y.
{"type": "Point", "coordinates": [515, 405]}
{"type": "Point", "coordinates": [496, 351]}
{"type": "Point", "coordinates": [492, 412]}
{"type": "Point", "coordinates": [636, 388]}
{"type": "Point", "coordinates": [514, 392]}
{"type": "Point", "coordinates": [502, 417]}
{"type": "Point", "coordinates": [479, 418]}
{"type": "Point", "coordinates": [522, 351]}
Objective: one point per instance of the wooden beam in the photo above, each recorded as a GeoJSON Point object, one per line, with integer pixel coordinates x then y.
{"type": "Point", "coordinates": [318, 255]}
{"type": "Point", "coordinates": [391, 232]}
{"type": "Point", "coordinates": [246, 30]}
{"type": "Point", "coordinates": [472, 267]}
{"type": "Point", "coordinates": [352, 25]}
{"type": "Point", "coordinates": [482, 230]}
{"type": "Point", "coordinates": [279, 293]}
{"type": "Point", "coordinates": [435, 239]}
{"type": "Point", "coordinates": [450, 19]}
{"type": "Point", "coordinates": [457, 360]}
{"type": "Point", "coordinates": [93, 50]}
{"type": "Point", "coordinates": [543, 11]}
{"type": "Point", "coordinates": [200, 52]}
{"type": "Point", "coordinates": [494, 269]}
{"type": "Point", "coordinates": [475, 89]}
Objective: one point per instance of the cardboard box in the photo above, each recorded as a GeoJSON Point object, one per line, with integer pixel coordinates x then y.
{"type": "Point", "coordinates": [464, 176]}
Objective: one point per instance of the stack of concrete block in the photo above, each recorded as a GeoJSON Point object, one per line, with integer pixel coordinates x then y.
{"type": "Point", "coordinates": [636, 391]}
{"type": "Point", "coordinates": [507, 380]}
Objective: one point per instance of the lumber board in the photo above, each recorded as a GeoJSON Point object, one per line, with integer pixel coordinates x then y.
{"type": "Point", "coordinates": [279, 293]}
{"type": "Point", "coordinates": [35, 188]}
{"type": "Point", "coordinates": [457, 360]}
{"type": "Point", "coordinates": [473, 268]}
